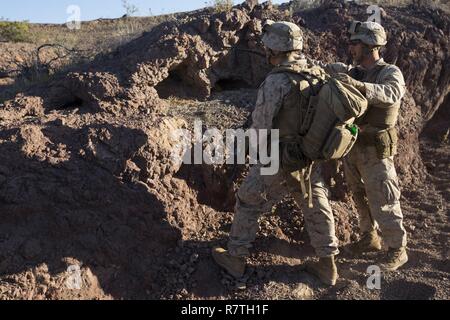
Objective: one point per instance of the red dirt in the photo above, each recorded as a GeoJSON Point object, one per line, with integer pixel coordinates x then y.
{"type": "Point", "coordinates": [86, 176]}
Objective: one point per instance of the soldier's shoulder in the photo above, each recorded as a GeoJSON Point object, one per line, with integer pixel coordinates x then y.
{"type": "Point", "coordinates": [392, 68]}
{"type": "Point", "coordinates": [392, 71]}
{"type": "Point", "coordinates": [276, 79]}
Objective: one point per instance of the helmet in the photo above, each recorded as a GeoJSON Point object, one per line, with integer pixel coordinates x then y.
{"type": "Point", "coordinates": [370, 33]}
{"type": "Point", "coordinates": [282, 36]}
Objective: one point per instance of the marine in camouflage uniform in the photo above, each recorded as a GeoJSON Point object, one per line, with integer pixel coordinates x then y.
{"type": "Point", "coordinates": [369, 167]}
{"type": "Point", "coordinates": [258, 193]}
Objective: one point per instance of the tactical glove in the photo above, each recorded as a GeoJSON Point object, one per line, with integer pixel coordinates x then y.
{"type": "Point", "coordinates": [343, 77]}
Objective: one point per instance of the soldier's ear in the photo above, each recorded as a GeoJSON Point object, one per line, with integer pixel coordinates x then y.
{"type": "Point", "coordinates": [367, 50]}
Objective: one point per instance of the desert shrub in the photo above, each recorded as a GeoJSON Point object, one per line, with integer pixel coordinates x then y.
{"type": "Point", "coordinates": [305, 4]}
{"type": "Point", "coordinates": [222, 5]}
{"type": "Point", "coordinates": [14, 31]}
{"type": "Point", "coordinates": [130, 9]}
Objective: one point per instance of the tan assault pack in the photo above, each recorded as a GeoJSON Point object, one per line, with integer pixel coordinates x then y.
{"type": "Point", "coordinates": [325, 126]}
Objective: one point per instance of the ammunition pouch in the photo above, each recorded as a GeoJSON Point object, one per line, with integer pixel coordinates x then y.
{"type": "Point", "coordinates": [385, 142]}
{"type": "Point", "coordinates": [339, 142]}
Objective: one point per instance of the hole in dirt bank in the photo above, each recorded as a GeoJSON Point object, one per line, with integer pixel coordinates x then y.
{"type": "Point", "coordinates": [438, 126]}
{"type": "Point", "coordinates": [214, 185]}
{"type": "Point", "coordinates": [60, 98]}
{"type": "Point", "coordinates": [176, 84]}
{"type": "Point", "coordinates": [72, 103]}
{"type": "Point", "coordinates": [230, 84]}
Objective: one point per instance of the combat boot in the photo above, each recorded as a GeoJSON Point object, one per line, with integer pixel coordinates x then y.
{"type": "Point", "coordinates": [233, 265]}
{"type": "Point", "coordinates": [395, 258]}
{"type": "Point", "coordinates": [369, 242]}
{"type": "Point", "coordinates": [325, 270]}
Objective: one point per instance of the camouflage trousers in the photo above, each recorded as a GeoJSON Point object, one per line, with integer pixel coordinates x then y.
{"type": "Point", "coordinates": [258, 194]}
{"type": "Point", "coordinates": [376, 193]}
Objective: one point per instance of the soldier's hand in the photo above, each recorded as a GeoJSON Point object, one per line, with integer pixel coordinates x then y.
{"type": "Point", "coordinates": [343, 77]}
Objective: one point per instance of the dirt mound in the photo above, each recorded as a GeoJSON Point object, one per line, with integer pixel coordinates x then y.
{"type": "Point", "coordinates": [87, 181]}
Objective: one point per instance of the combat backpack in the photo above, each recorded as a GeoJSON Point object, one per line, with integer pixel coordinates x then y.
{"type": "Point", "coordinates": [324, 127]}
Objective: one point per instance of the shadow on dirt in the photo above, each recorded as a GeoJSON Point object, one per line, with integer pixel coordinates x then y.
{"type": "Point", "coordinates": [407, 290]}
{"type": "Point", "coordinates": [64, 193]}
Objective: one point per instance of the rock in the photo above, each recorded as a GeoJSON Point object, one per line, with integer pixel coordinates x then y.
{"type": "Point", "coordinates": [23, 106]}
{"type": "Point", "coordinates": [241, 286]}
{"type": "Point", "coordinates": [251, 4]}
{"type": "Point", "coordinates": [302, 292]}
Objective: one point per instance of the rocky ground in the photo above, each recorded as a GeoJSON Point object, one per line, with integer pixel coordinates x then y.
{"type": "Point", "coordinates": [87, 178]}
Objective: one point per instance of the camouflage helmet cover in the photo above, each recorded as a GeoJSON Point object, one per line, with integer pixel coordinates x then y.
{"type": "Point", "coordinates": [282, 36]}
{"type": "Point", "coordinates": [370, 33]}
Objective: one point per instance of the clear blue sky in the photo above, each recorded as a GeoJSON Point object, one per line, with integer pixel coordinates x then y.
{"type": "Point", "coordinates": [54, 11]}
